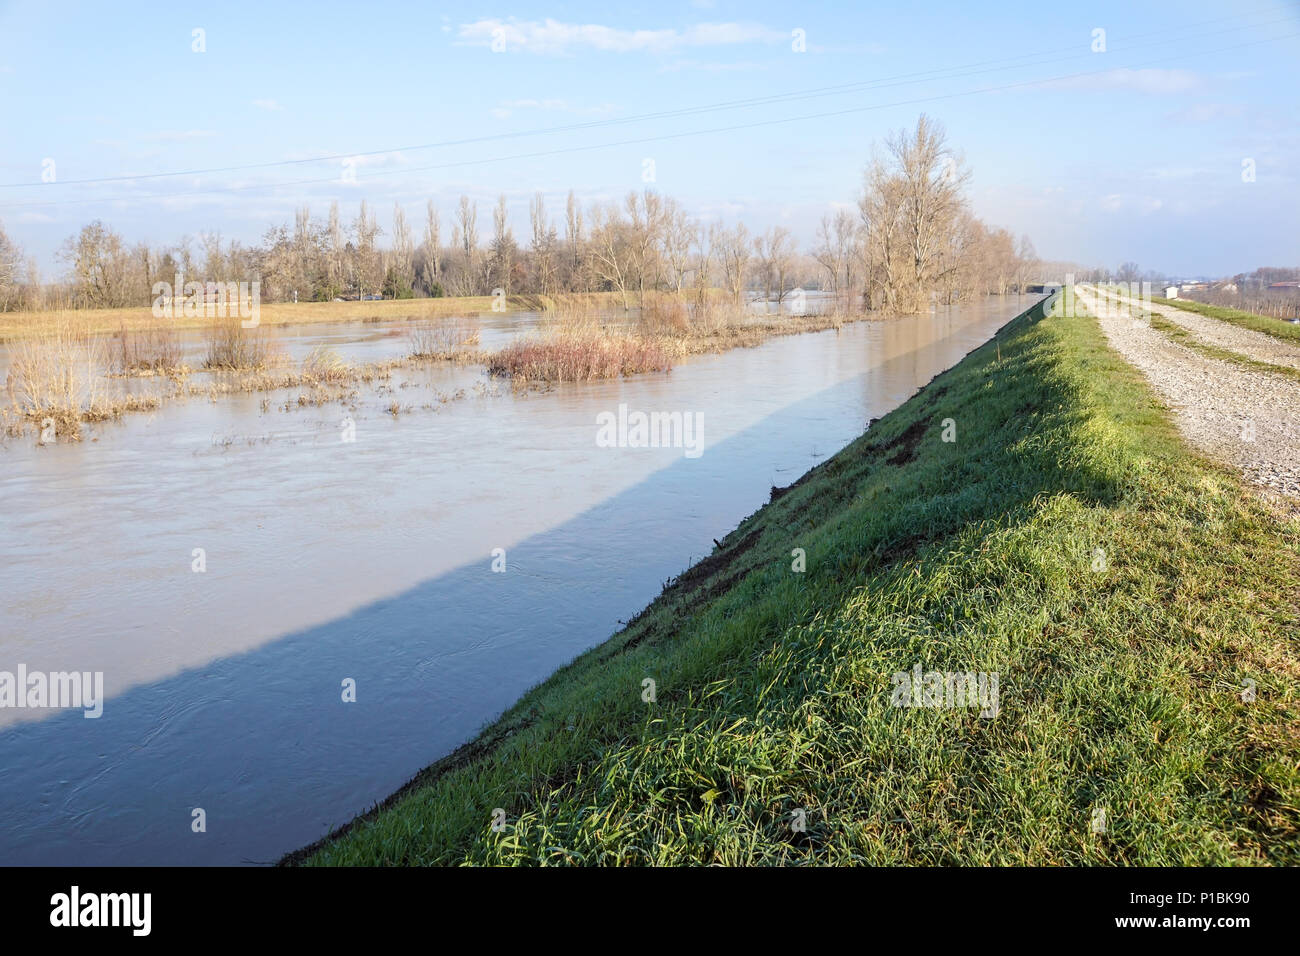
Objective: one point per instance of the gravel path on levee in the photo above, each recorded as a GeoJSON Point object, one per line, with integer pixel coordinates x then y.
{"type": "Point", "coordinates": [1248, 419]}
{"type": "Point", "coordinates": [1247, 342]}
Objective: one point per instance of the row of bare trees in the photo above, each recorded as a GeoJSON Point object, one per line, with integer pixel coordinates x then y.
{"type": "Point", "coordinates": [910, 240]}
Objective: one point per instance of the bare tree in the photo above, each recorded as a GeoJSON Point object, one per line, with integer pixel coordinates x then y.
{"type": "Point", "coordinates": [1026, 262]}
{"type": "Point", "coordinates": [503, 247]}
{"type": "Point", "coordinates": [98, 263]}
{"type": "Point", "coordinates": [10, 259]}
{"type": "Point", "coordinates": [702, 262]}
{"type": "Point", "coordinates": [573, 239]}
{"type": "Point", "coordinates": [336, 270]}
{"type": "Point", "coordinates": [305, 253]}
{"type": "Point", "coordinates": [432, 248]}
{"type": "Point", "coordinates": [613, 251]}
{"type": "Point", "coordinates": [775, 250]}
{"type": "Point", "coordinates": [1128, 272]}
{"type": "Point", "coordinates": [734, 252]}
{"type": "Point", "coordinates": [881, 252]}
{"type": "Point", "coordinates": [400, 277]}
{"type": "Point", "coordinates": [467, 231]}
{"type": "Point", "coordinates": [909, 208]}
{"type": "Point", "coordinates": [543, 246]}
{"type": "Point", "coordinates": [645, 216]}
{"type": "Point", "coordinates": [932, 183]}
{"type": "Point", "coordinates": [678, 237]}
{"type": "Point", "coordinates": [835, 249]}
{"type": "Point", "coordinates": [367, 263]}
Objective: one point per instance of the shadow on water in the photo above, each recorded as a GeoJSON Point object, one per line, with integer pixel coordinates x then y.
{"type": "Point", "coordinates": [263, 741]}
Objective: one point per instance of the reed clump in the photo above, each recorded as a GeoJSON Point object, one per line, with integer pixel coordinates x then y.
{"type": "Point", "coordinates": [577, 356]}
{"type": "Point", "coordinates": [148, 351]}
{"type": "Point", "coordinates": [324, 365]}
{"type": "Point", "coordinates": [54, 379]}
{"type": "Point", "coordinates": [231, 347]}
{"type": "Point", "coordinates": [452, 340]}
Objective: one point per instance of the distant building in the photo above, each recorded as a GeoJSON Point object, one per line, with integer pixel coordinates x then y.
{"type": "Point", "coordinates": [1171, 292]}
{"type": "Point", "coordinates": [1288, 284]}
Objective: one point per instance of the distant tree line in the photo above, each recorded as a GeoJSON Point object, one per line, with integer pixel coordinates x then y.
{"type": "Point", "coordinates": [911, 240]}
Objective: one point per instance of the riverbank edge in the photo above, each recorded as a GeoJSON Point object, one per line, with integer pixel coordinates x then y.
{"type": "Point", "coordinates": [484, 742]}
{"type": "Point", "coordinates": [1033, 516]}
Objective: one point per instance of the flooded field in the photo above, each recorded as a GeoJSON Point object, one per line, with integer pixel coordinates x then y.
{"type": "Point", "coordinates": [229, 566]}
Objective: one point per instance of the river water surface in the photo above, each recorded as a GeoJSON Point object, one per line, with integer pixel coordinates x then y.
{"type": "Point", "coordinates": [327, 559]}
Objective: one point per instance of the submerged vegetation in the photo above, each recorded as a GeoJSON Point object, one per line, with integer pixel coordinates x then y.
{"type": "Point", "coordinates": [234, 348]}
{"type": "Point", "coordinates": [452, 340]}
{"type": "Point", "coordinates": [325, 366]}
{"type": "Point", "coordinates": [574, 355]}
{"type": "Point", "coordinates": [55, 381]}
{"type": "Point", "coordinates": [576, 345]}
{"type": "Point", "coordinates": [62, 372]}
{"type": "Point", "coordinates": [149, 351]}
{"type": "Point", "coordinates": [1138, 609]}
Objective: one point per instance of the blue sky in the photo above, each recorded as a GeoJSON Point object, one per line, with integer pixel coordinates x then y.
{"type": "Point", "coordinates": [1134, 153]}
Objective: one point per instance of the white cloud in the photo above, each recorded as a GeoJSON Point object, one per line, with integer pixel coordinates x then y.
{"type": "Point", "coordinates": [268, 105]}
{"type": "Point", "coordinates": [1152, 81]}
{"type": "Point", "coordinates": [555, 38]}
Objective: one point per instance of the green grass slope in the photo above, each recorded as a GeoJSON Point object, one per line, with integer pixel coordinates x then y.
{"type": "Point", "coordinates": [1121, 689]}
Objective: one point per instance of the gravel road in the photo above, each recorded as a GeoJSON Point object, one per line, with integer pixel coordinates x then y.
{"type": "Point", "coordinates": [1248, 419]}
{"type": "Point", "coordinates": [1247, 342]}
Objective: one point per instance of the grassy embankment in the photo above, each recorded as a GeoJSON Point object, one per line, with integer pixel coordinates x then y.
{"type": "Point", "coordinates": [1121, 674]}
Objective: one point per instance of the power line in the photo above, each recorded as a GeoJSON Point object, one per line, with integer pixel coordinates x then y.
{"type": "Point", "coordinates": [792, 96]}
{"type": "Point", "coordinates": [647, 139]}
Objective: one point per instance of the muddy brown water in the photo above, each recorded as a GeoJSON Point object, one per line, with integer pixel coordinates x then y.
{"type": "Point", "coordinates": [370, 560]}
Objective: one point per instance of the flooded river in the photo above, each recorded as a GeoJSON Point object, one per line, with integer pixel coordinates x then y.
{"type": "Point", "coordinates": [229, 565]}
